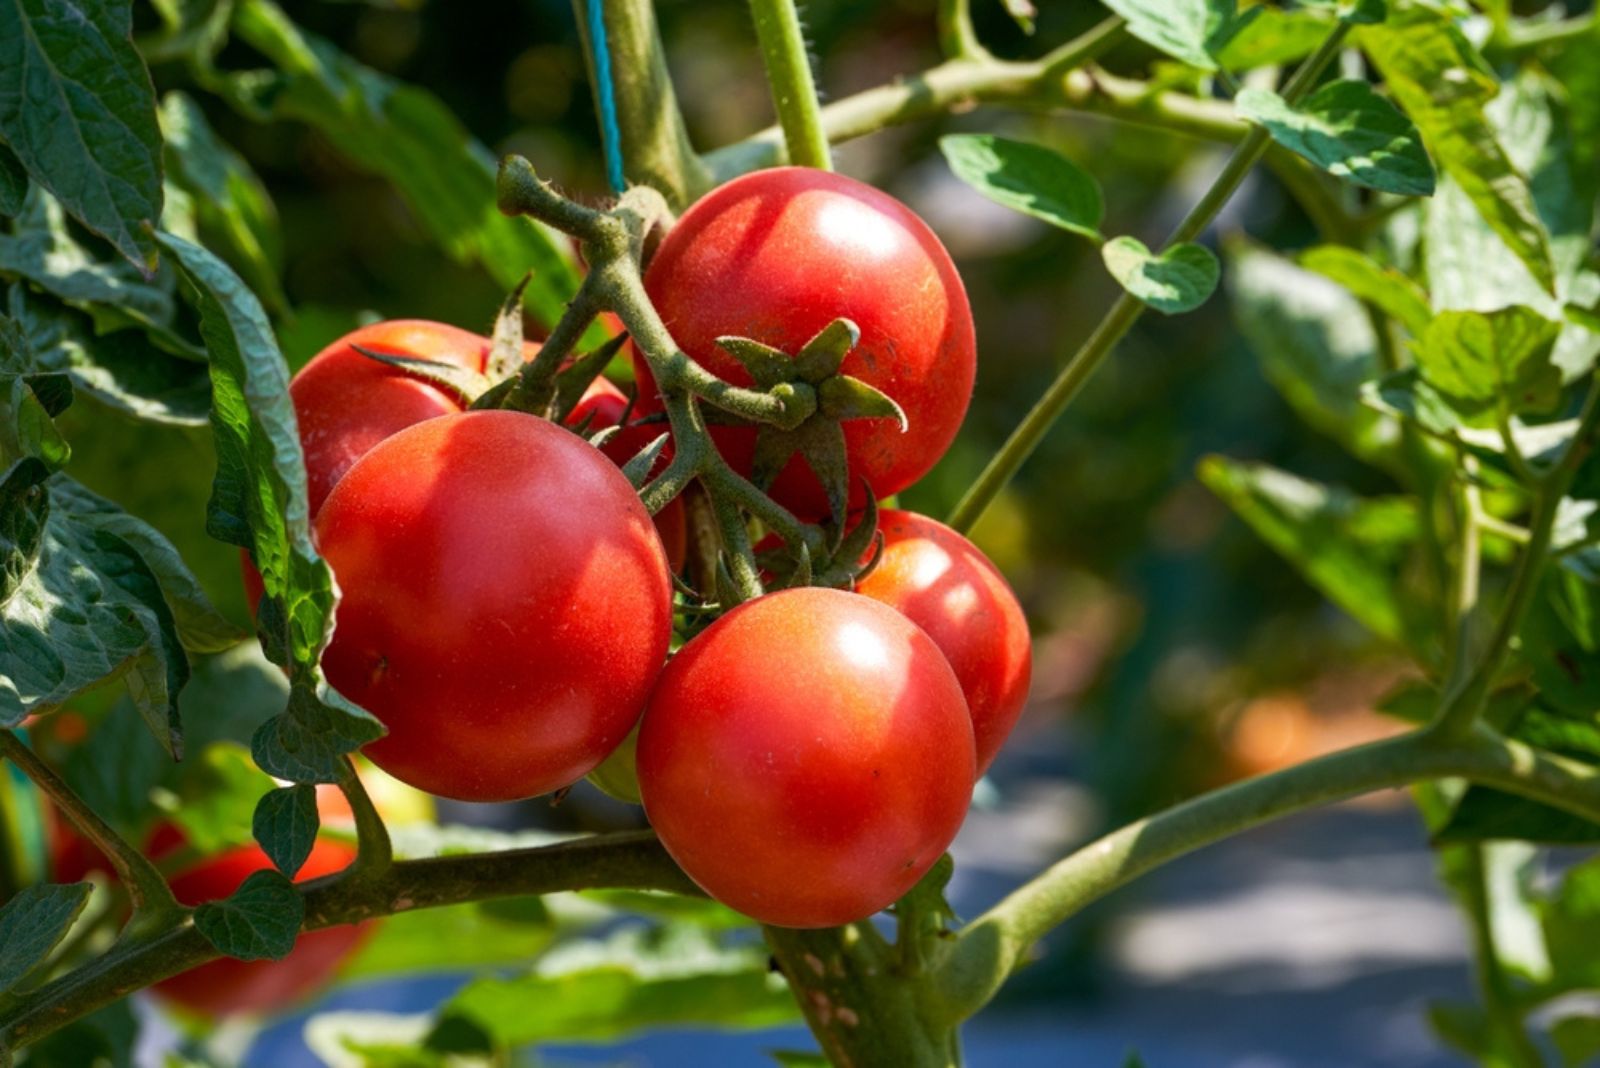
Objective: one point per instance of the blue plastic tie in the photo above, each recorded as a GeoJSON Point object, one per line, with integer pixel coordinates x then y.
{"type": "Point", "coordinates": [610, 129]}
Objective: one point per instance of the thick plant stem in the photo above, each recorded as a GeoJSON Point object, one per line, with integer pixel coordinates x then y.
{"type": "Point", "coordinates": [1127, 309]}
{"type": "Point", "coordinates": [794, 94]}
{"type": "Point", "coordinates": [995, 943]}
{"type": "Point", "coordinates": [655, 142]}
{"type": "Point", "coordinates": [1463, 703]}
{"type": "Point", "coordinates": [152, 897]}
{"type": "Point", "coordinates": [862, 1010]}
{"type": "Point", "coordinates": [634, 860]}
{"type": "Point", "coordinates": [374, 852]}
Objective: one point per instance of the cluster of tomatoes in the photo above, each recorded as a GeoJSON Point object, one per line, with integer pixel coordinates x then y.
{"type": "Point", "coordinates": [507, 604]}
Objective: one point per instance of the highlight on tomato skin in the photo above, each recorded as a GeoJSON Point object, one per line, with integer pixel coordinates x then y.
{"type": "Point", "coordinates": [944, 584]}
{"type": "Point", "coordinates": [788, 250]}
{"type": "Point", "coordinates": [807, 803]}
{"type": "Point", "coordinates": [506, 605]}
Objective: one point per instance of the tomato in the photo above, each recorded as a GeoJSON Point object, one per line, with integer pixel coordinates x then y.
{"type": "Point", "coordinates": [778, 254]}
{"type": "Point", "coordinates": [941, 582]}
{"type": "Point", "coordinates": [346, 403]}
{"type": "Point", "coordinates": [807, 757]}
{"type": "Point", "coordinates": [603, 405]}
{"type": "Point", "coordinates": [506, 603]}
{"type": "Point", "coordinates": [222, 987]}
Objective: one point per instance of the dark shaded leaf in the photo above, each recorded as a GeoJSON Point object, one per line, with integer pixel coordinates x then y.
{"type": "Point", "coordinates": [286, 824]}
{"type": "Point", "coordinates": [77, 109]}
{"type": "Point", "coordinates": [260, 921]}
{"type": "Point", "coordinates": [31, 924]}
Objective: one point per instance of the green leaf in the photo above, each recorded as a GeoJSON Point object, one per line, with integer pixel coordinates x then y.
{"type": "Point", "coordinates": [232, 207]}
{"type": "Point", "coordinates": [105, 1039]}
{"type": "Point", "coordinates": [1577, 1039]}
{"type": "Point", "coordinates": [81, 604]}
{"type": "Point", "coordinates": [259, 501]}
{"type": "Point", "coordinates": [260, 921]}
{"type": "Point", "coordinates": [406, 135]}
{"type": "Point", "coordinates": [460, 937]}
{"type": "Point", "coordinates": [1315, 345]}
{"type": "Point", "coordinates": [637, 979]}
{"type": "Point", "coordinates": [1571, 921]}
{"type": "Point", "coordinates": [192, 29]}
{"type": "Point", "coordinates": [1348, 547]}
{"type": "Point", "coordinates": [1491, 361]}
{"type": "Point", "coordinates": [286, 824]}
{"type": "Point", "coordinates": [44, 251]}
{"type": "Point", "coordinates": [32, 922]}
{"type": "Point", "coordinates": [1275, 37]}
{"type": "Point", "coordinates": [1180, 279]}
{"type": "Point", "coordinates": [1443, 84]}
{"type": "Point", "coordinates": [13, 182]}
{"type": "Point", "coordinates": [1028, 178]}
{"type": "Point", "coordinates": [1349, 131]}
{"type": "Point", "coordinates": [1392, 292]}
{"type": "Point", "coordinates": [31, 394]}
{"type": "Point", "coordinates": [1485, 814]}
{"type": "Point", "coordinates": [1189, 30]}
{"type": "Point", "coordinates": [77, 108]}
{"type": "Point", "coordinates": [213, 798]}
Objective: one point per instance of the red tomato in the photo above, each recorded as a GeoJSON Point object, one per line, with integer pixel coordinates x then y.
{"type": "Point", "coordinates": [778, 254]}
{"type": "Point", "coordinates": [603, 405]}
{"type": "Point", "coordinates": [807, 757]}
{"type": "Point", "coordinates": [941, 582]}
{"type": "Point", "coordinates": [506, 604]}
{"type": "Point", "coordinates": [345, 403]}
{"type": "Point", "coordinates": [229, 986]}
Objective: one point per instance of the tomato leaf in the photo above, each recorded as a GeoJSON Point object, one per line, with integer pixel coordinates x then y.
{"type": "Point", "coordinates": [232, 207]}
{"type": "Point", "coordinates": [636, 979]}
{"type": "Point", "coordinates": [1443, 84]}
{"type": "Point", "coordinates": [286, 824]}
{"type": "Point", "coordinates": [259, 501]}
{"type": "Point", "coordinates": [1275, 37]}
{"type": "Point", "coordinates": [32, 922]}
{"type": "Point", "coordinates": [1314, 343]}
{"type": "Point", "coordinates": [1180, 279]}
{"type": "Point", "coordinates": [260, 921]}
{"type": "Point", "coordinates": [1392, 292]}
{"type": "Point", "coordinates": [1349, 547]}
{"type": "Point", "coordinates": [1189, 30]}
{"type": "Point", "coordinates": [13, 182]}
{"type": "Point", "coordinates": [78, 110]}
{"type": "Point", "coordinates": [1489, 361]}
{"type": "Point", "coordinates": [89, 593]}
{"type": "Point", "coordinates": [1028, 178]}
{"type": "Point", "coordinates": [31, 394]}
{"type": "Point", "coordinates": [1349, 131]}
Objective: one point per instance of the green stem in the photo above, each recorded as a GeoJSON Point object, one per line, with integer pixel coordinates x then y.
{"type": "Point", "coordinates": [1462, 705]}
{"type": "Point", "coordinates": [1125, 311]}
{"type": "Point", "coordinates": [655, 142]}
{"type": "Point", "coordinates": [794, 95]}
{"type": "Point", "coordinates": [374, 852]}
{"type": "Point", "coordinates": [998, 941]}
{"type": "Point", "coordinates": [152, 897]}
{"type": "Point", "coordinates": [1042, 85]}
{"type": "Point", "coordinates": [634, 860]}
{"type": "Point", "coordinates": [957, 38]}
{"type": "Point", "coordinates": [1494, 985]}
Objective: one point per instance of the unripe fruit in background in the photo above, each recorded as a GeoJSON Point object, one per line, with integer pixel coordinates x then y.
{"type": "Point", "coordinates": [807, 757]}
{"type": "Point", "coordinates": [506, 604]}
{"type": "Point", "coordinates": [778, 254]}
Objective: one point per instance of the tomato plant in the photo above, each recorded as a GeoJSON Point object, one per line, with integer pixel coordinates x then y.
{"type": "Point", "coordinates": [684, 543]}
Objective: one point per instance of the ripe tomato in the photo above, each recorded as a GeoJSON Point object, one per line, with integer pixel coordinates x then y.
{"type": "Point", "coordinates": [941, 582]}
{"type": "Point", "coordinates": [603, 405]}
{"type": "Point", "coordinates": [229, 986]}
{"type": "Point", "coordinates": [506, 603]}
{"type": "Point", "coordinates": [817, 799]}
{"type": "Point", "coordinates": [346, 403]}
{"type": "Point", "coordinates": [778, 254]}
